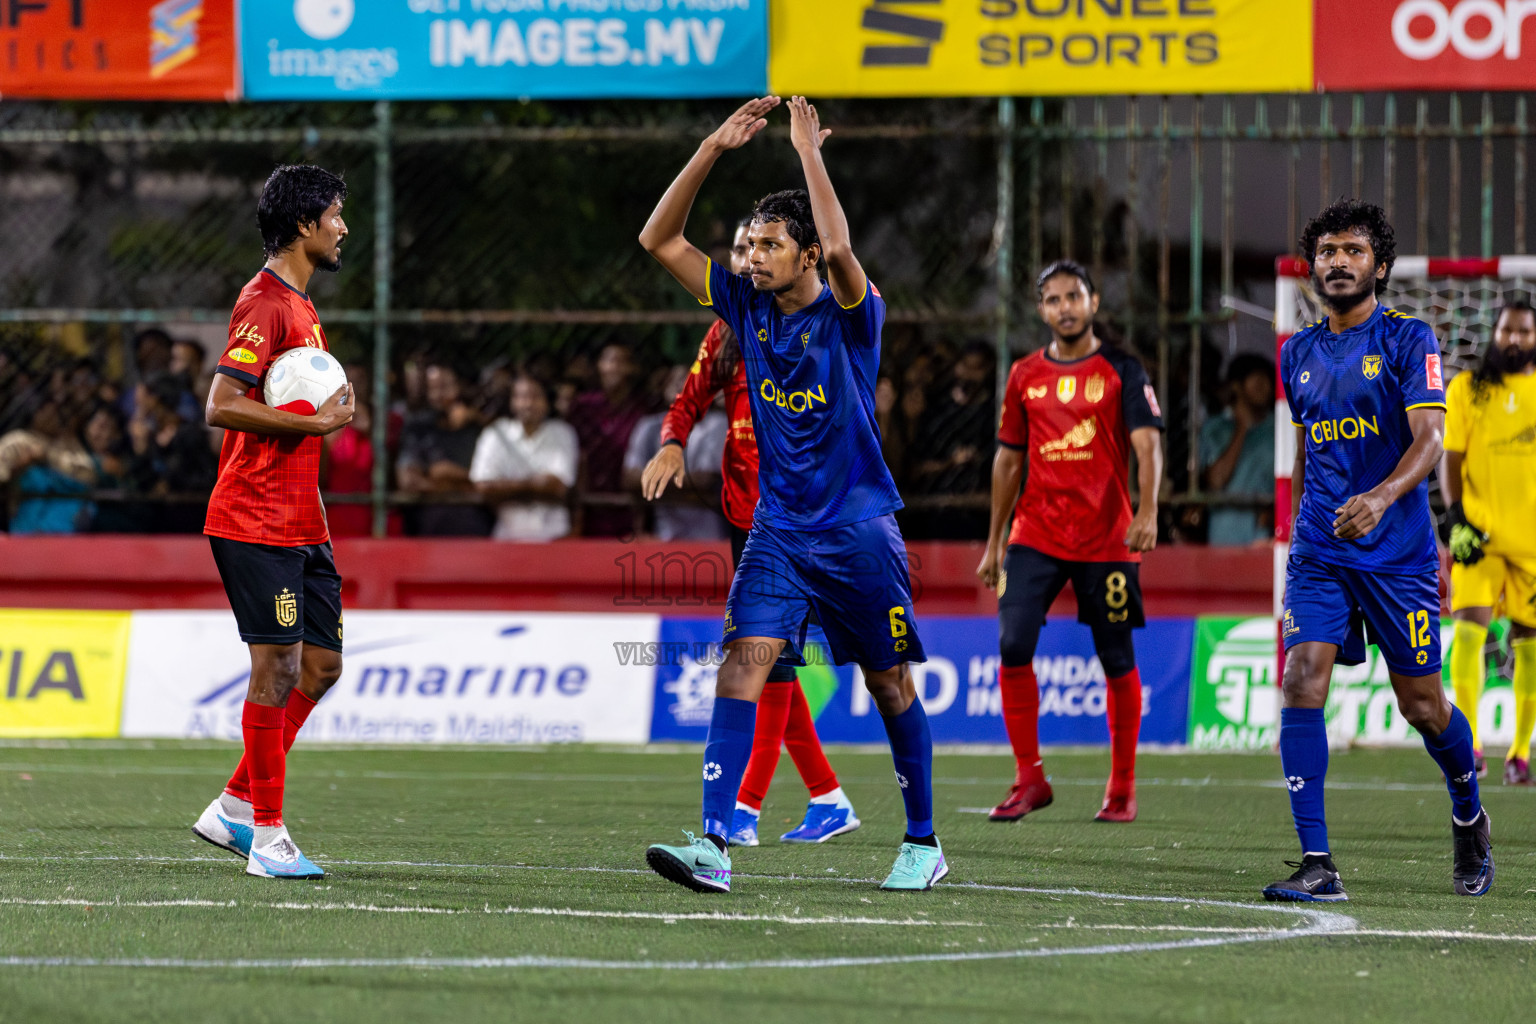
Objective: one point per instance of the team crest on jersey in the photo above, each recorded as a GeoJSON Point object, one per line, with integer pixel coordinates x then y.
{"type": "Point", "coordinates": [1038, 392]}
{"type": "Point", "coordinates": [1093, 388]}
{"type": "Point", "coordinates": [1066, 389]}
{"type": "Point", "coordinates": [287, 608]}
{"type": "Point", "coordinates": [805, 338]}
{"type": "Point", "coordinates": [1371, 367]}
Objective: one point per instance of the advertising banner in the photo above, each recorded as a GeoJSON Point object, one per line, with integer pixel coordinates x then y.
{"type": "Point", "coordinates": [1040, 47]}
{"type": "Point", "coordinates": [410, 677]}
{"type": "Point", "coordinates": [120, 50]}
{"type": "Point", "coordinates": [62, 672]}
{"type": "Point", "coordinates": [1424, 44]}
{"type": "Point", "coordinates": [468, 49]}
{"type": "Point", "coordinates": [958, 684]}
{"type": "Point", "coordinates": [1235, 702]}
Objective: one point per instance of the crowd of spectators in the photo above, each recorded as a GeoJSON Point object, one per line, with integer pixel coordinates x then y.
{"type": "Point", "coordinates": [537, 450]}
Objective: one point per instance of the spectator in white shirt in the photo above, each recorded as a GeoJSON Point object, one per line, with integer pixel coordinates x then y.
{"type": "Point", "coordinates": [528, 464]}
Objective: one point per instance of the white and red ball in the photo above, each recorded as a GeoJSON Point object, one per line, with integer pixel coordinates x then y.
{"type": "Point", "coordinates": [301, 379]}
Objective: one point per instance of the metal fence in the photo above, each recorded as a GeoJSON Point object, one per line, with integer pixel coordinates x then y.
{"type": "Point", "coordinates": [490, 234]}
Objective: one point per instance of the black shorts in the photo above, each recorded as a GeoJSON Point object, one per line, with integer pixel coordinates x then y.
{"type": "Point", "coordinates": [1108, 593]}
{"type": "Point", "coordinates": [281, 595]}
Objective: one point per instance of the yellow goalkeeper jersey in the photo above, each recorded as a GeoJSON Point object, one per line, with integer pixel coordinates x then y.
{"type": "Point", "coordinates": [1497, 433]}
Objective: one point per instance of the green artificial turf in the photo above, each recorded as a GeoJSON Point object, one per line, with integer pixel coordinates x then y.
{"type": "Point", "coordinates": [518, 855]}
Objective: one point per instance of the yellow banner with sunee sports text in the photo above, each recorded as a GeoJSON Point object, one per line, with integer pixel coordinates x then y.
{"type": "Point", "coordinates": [1039, 47]}
{"type": "Point", "coordinates": [61, 672]}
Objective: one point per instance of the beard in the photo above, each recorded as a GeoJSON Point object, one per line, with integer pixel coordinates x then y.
{"type": "Point", "coordinates": [1076, 336]}
{"type": "Point", "coordinates": [331, 265]}
{"type": "Point", "coordinates": [1501, 360]}
{"type": "Point", "coordinates": [1341, 302]}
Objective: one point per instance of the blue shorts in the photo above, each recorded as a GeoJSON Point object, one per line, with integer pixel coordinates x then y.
{"type": "Point", "coordinates": [853, 579]}
{"type": "Point", "coordinates": [1339, 604]}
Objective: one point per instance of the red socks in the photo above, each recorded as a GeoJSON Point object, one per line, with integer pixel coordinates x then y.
{"type": "Point", "coordinates": [805, 746]}
{"type": "Point", "coordinates": [1021, 717]}
{"type": "Point", "coordinates": [295, 715]}
{"type": "Point", "coordinates": [784, 719]}
{"type": "Point", "coordinates": [1124, 728]}
{"type": "Point", "coordinates": [264, 757]}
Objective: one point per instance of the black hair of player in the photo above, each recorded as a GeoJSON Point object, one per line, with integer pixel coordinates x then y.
{"type": "Point", "coordinates": [792, 208]}
{"type": "Point", "coordinates": [1497, 362]}
{"type": "Point", "coordinates": [1353, 215]}
{"type": "Point", "coordinates": [1072, 267]}
{"type": "Point", "coordinates": [294, 194]}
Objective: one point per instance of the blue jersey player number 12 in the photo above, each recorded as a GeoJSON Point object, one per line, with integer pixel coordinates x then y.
{"type": "Point", "coordinates": [824, 537]}
{"type": "Point", "coordinates": [1368, 405]}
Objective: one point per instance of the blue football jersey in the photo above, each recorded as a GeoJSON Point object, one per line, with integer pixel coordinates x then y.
{"type": "Point", "coordinates": [812, 379]}
{"type": "Point", "coordinates": [1351, 393]}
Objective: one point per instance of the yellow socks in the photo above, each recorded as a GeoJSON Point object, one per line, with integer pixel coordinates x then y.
{"type": "Point", "coordinates": [1467, 667]}
{"type": "Point", "coordinates": [1525, 696]}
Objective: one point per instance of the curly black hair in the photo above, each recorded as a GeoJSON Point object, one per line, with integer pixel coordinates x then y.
{"type": "Point", "coordinates": [1354, 215]}
{"type": "Point", "coordinates": [792, 208]}
{"type": "Point", "coordinates": [1072, 267]}
{"type": "Point", "coordinates": [294, 194]}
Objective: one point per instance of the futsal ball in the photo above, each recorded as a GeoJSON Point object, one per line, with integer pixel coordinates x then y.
{"type": "Point", "coordinates": [301, 379]}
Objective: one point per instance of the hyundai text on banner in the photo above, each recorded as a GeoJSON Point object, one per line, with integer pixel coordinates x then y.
{"type": "Point", "coordinates": [1040, 47]}
{"type": "Point", "coordinates": [118, 49]}
{"type": "Point", "coordinates": [409, 677]}
{"type": "Point", "coordinates": [466, 49]}
{"type": "Point", "coordinates": [61, 672]}
{"type": "Point", "coordinates": [958, 684]}
{"type": "Point", "coordinates": [1425, 44]}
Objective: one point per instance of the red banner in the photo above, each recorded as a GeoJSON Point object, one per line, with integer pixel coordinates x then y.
{"type": "Point", "coordinates": [118, 49]}
{"type": "Point", "coordinates": [1424, 44]}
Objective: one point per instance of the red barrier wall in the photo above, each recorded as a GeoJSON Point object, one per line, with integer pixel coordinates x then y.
{"type": "Point", "coordinates": [574, 575]}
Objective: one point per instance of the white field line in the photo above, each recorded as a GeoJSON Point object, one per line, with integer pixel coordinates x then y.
{"type": "Point", "coordinates": [370, 908]}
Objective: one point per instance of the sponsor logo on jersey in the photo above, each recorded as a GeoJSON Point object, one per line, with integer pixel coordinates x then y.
{"type": "Point", "coordinates": [1371, 367]}
{"type": "Point", "coordinates": [1069, 448]}
{"type": "Point", "coordinates": [1093, 388]}
{"type": "Point", "coordinates": [1146, 389]}
{"type": "Point", "coordinates": [1432, 378]}
{"type": "Point", "coordinates": [1288, 624]}
{"type": "Point", "coordinates": [287, 608]}
{"type": "Point", "coordinates": [1348, 429]}
{"type": "Point", "coordinates": [250, 335]}
{"type": "Point", "coordinates": [242, 355]}
{"type": "Point", "coordinates": [1066, 388]}
{"type": "Point", "coordinates": [794, 401]}
{"type": "Point", "coordinates": [1039, 392]}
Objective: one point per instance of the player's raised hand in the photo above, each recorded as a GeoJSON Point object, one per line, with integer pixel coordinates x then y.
{"type": "Point", "coordinates": [742, 127]}
{"type": "Point", "coordinates": [336, 411]}
{"type": "Point", "coordinates": [805, 129]}
{"type": "Point", "coordinates": [990, 568]}
{"type": "Point", "coordinates": [665, 467]}
{"type": "Point", "coordinates": [1358, 516]}
{"type": "Point", "coordinates": [1142, 534]}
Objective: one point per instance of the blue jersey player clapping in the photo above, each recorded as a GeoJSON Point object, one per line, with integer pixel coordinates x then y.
{"type": "Point", "coordinates": [1368, 403]}
{"type": "Point", "coordinates": [824, 537]}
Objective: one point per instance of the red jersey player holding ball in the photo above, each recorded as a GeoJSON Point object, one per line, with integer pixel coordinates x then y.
{"type": "Point", "coordinates": [265, 522]}
{"type": "Point", "coordinates": [1074, 410]}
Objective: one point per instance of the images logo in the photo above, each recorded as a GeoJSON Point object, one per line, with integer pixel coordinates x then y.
{"type": "Point", "coordinates": [323, 19]}
{"type": "Point", "coordinates": [920, 35]}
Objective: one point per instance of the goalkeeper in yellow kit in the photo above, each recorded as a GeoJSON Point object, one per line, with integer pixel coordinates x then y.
{"type": "Point", "coordinates": [1488, 476]}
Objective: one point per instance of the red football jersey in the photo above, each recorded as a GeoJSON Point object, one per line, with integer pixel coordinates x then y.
{"type": "Point", "coordinates": [738, 467]}
{"type": "Point", "coordinates": [1074, 419]}
{"type": "Point", "coordinates": [268, 490]}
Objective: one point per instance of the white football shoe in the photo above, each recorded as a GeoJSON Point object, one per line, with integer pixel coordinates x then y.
{"type": "Point", "coordinates": [278, 857]}
{"type": "Point", "coordinates": [224, 830]}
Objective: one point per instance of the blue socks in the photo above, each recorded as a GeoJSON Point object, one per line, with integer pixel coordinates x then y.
{"type": "Point", "coordinates": [912, 752]}
{"type": "Point", "coordinates": [725, 760]}
{"type": "Point", "coordinates": [1452, 751]}
{"type": "Point", "coordinates": [1304, 762]}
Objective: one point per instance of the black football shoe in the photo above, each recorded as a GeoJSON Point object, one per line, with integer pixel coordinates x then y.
{"type": "Point", "coordinates": [1316, 881]}
{"type": "Point", "coordinates": [1472, 856]}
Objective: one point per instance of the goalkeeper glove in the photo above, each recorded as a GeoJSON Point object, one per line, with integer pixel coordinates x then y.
{"type": "Point", "coordinates": [1465, 540]}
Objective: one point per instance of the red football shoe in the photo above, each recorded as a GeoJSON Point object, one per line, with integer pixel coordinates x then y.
{"type": "Point", "coordinates": [1023, 796]}
{"type": "Point", "coordinates": [1117, 807]}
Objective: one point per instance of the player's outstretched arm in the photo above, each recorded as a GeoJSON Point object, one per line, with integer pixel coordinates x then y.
{"type": "Point", "coordinates": [662, 235]}
{"type": "Point", "coordinates": [1007, 475]}
{"type": "Point", "coordinates": [229, 408]}
{"type": "Point", "coordinates": [1359, 515]}
{"type": "Point", "coordinates": [844, 273]}
{"type": "Point", "coordinates": [1148, 442]}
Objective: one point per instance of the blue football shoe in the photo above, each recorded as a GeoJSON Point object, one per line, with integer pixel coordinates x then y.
{"type": "Point", "coordinates": [823, 821]}
{"type": "Point", "coordinates": [743, 828]}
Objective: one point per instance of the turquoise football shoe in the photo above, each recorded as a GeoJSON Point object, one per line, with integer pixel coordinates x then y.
{"type": "Point", "coordinates": [699, 866]}
{"type": "Point", "coordinates": [917, 868]}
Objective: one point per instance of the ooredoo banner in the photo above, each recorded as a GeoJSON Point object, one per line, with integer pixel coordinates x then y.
{"type": "Point", "coordinates": [118, 49]}
{"type": "Point", "coordinates": [465, 49]}
{"type": "Point", "coordinates": [409, 677]}
{"type": "Point", "coordinates": [1040, 47]}
{"type": "Point", "coordinates": [61, 672]}
{"type": "Point", "coordinates": [1425, 44]}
